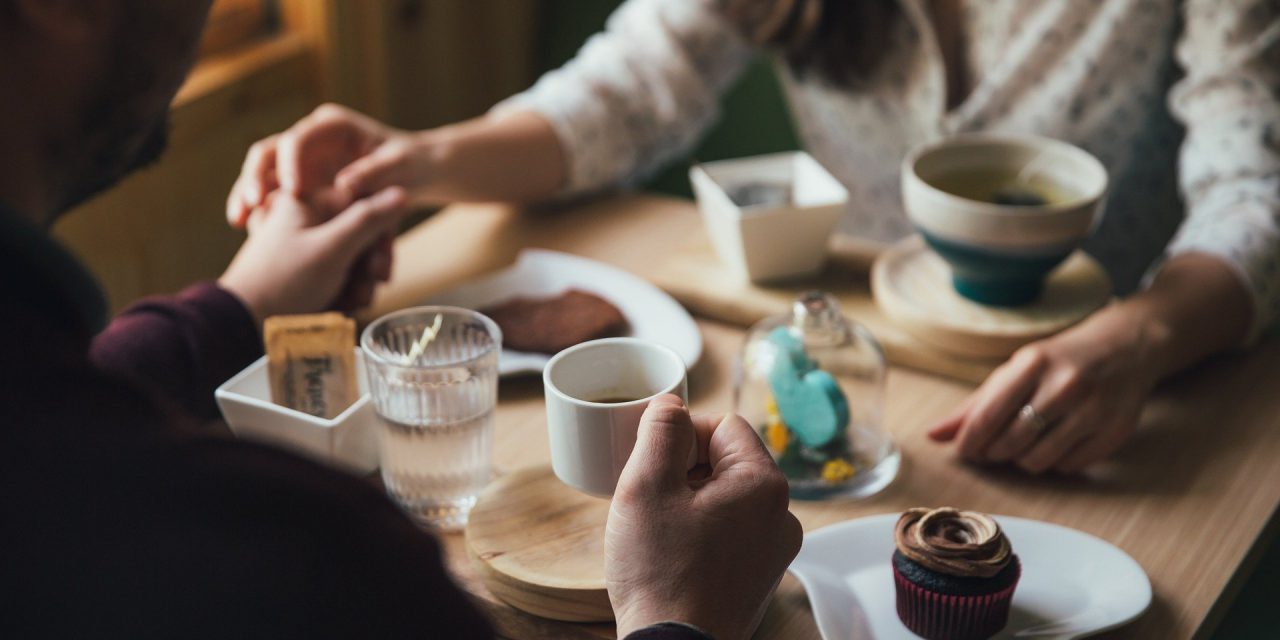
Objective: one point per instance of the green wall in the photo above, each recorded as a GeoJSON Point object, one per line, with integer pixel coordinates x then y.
{"type": "Point", "coordinates": [754, 116]}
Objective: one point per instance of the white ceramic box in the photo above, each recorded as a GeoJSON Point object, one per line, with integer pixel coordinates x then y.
{"type": "Point", "coordinates": [347, 441]}
{"type": "Point", "coordinates": [771, 240]}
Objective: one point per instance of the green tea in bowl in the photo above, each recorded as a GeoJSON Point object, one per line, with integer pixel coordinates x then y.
{"type": "Point", "coordinates": [997, 186]}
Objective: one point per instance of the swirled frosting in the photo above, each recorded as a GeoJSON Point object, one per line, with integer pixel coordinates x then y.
{"type": "Point", "coordinates": [954, 542]}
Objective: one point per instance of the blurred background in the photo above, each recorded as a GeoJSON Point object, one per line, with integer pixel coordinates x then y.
{"type": "Point", "coordinates": [413, 64]}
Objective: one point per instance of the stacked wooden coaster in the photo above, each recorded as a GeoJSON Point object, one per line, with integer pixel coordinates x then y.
{"type": "Point", "coordinates": [538, 545]}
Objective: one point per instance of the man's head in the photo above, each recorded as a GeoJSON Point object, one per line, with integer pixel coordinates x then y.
{"type": "Point", "coordinates": [88, 86]}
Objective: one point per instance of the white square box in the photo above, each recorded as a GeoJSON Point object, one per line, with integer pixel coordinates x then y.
{"type": "Point", "coordinates": [348, 441]}
{"type": "Point", "coordinates": [770, 241]}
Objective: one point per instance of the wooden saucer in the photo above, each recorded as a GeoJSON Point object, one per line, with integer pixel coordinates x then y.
{"type": "Point", "coordinates": [538, 545]}
{"type": "Point", "coordinates": [912, 285]}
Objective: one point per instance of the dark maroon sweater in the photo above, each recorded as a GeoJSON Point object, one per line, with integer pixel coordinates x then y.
{"type": "Point", "coordinates": [123, 518]}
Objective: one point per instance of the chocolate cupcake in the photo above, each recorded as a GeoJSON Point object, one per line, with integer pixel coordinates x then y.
{"type": "Point", "coordinates": [955, 574]}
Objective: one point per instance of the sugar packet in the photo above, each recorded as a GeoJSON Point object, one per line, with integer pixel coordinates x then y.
{"type": "Point", "coordinates": [311, 362]}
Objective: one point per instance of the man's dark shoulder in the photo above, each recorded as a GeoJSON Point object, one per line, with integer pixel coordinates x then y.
{"type": "Point", "coordinates": [140, 529]}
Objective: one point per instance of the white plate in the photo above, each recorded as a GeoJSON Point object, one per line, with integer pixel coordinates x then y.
{"type": "Point", "coordinates": [1073, 584]}
{"type": "Point", "coordinates": [651, 313]}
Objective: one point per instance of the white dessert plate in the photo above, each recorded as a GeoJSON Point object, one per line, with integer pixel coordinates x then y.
{"type": "Point", "coordinates": [651, 313]}
{"type": "Point", "coordinates": [1073, 584]}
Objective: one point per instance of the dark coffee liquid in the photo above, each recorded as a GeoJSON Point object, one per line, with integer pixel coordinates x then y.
{"type": "Point", "coordinates": [613, 399]}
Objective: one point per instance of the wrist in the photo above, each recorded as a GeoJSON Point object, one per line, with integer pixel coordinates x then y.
{"type": "Point", "coordinates": [667, 630]}
{"type": "Point", "coordinates": [1195, 307]}
{"type": "Point", "coordinates": [515, 157]}
{"type": "Point", "coordinates": [1159, 337]}
{"type": "Point", "coordinates": [629, 620]}
{"type": "Point", "coordinates": [1153, 340]}
{"type": "Point", "coordinates": [246, 294]}
{"type": "Point", "coordinates": [636, 618]}
{"type": "Point", "coordinates": [435, 166]}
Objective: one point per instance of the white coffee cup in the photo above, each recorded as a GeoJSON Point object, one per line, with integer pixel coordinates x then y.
{"type": "Point", "coordinates": [591, 431]}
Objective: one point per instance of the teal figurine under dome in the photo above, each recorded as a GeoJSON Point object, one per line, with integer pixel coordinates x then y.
{"type": "Point", "coordinates": [812, 384]}
{"type": "Point", "coordinates": [809, 399]}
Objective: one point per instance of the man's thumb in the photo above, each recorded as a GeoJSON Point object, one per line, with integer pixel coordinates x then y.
{"type": "Point", "coordinates": [660, 460]}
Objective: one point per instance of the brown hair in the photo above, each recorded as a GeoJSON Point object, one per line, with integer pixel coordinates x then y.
{"type": "Point", "coordinates": [843, 41]}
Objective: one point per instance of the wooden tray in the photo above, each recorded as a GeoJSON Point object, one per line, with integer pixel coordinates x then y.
{"type": "Point", "coordinates": [696, 277]}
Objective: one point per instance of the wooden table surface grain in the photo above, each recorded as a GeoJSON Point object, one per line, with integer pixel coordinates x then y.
{"type": "Point", "coordinates": [1191, 498]}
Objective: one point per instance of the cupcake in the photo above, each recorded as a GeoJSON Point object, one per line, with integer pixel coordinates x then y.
{"type": "Point", "coordinates": [955, 574]}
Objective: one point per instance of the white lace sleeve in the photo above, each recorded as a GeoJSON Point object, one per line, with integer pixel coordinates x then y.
{"type": "Point", "coordinates": [1230, 160]}
{"type": "Point", "coordinates": [639, 93]}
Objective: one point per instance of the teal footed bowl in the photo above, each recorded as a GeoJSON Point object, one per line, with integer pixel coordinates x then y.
{"type": "Point", "coordinates": [998, 278]}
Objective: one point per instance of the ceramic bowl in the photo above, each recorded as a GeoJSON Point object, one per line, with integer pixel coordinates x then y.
{"type": "Point", "coordinates": [999, 254]}
{"type": "Point", "coordinates": [769, 217]}
{"type": "Point", "coordinates": [348, 441]}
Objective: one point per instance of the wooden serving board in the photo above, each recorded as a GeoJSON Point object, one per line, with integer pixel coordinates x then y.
{"type": "Point", "coordinates": [538, 545]}
{"type": "Point", "coordinates": [702, 283]}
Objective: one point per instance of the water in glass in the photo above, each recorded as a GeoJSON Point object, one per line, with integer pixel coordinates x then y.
{"type": "Point", "coordinates": [436, 405]}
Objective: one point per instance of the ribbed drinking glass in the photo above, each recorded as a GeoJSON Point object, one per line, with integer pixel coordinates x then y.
{"type": "Point", "coordinates": [433, 378]}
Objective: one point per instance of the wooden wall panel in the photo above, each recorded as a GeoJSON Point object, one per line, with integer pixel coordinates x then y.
{"type": "Point", "coordinates": [232, 23]}
{"type": "Point", "coordinates": [453, 59]}
{"type": "Point", "coordinates": [347, 50]}
{"type": "Point", "coordinates": [420, 63]}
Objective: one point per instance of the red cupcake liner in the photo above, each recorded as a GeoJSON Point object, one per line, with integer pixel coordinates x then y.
{"type": "Point", "coordinates": [938, 616]}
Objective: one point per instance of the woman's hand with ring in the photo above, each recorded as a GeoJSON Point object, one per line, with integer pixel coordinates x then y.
{"type": "Point", "coordinates": [1062, 403]}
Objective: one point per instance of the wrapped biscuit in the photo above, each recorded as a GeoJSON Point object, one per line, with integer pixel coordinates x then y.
{"type": "Point", "coordinates": [311, 362]}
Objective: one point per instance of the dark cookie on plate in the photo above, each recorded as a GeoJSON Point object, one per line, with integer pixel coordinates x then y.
{"type": "Point", "coordinates": [551, 324]}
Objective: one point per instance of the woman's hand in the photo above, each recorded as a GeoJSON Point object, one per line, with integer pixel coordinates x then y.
{"type": "Point", "coordinates": [707, 552]}
{"type": "Point", "coordinates": [328, 159]}
{"type": "Point", "coordinates": [1068, 401]}
{"type": "Point", "coordinates": [1084, 388]}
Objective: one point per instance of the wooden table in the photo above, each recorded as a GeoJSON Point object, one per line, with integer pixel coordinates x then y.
{"type": "Point", "coordinates": [1191, 498]}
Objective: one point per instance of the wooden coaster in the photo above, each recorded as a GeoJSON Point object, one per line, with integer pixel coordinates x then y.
{"type": "Point", "coordinates": [912, 285]}
{"type": "Point", "coordinates": [538, 545]}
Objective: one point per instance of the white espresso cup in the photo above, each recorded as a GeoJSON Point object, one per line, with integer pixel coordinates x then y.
{"type": "Point", "coordinates": [596, 392]}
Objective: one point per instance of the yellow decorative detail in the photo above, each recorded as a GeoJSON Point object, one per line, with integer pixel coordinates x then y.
{"type": "Point", "coordinates": [771, 407]}
{"type": "Point", "coordinates": [837, 471]}
{"type": "Point", "coordinates": [778, 436]}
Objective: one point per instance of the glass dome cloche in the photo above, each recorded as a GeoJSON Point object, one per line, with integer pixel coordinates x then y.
{"type": "Point", "coordinates": [811, 382]}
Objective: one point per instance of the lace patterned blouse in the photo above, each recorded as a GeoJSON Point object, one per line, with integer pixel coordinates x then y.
{"type": "Point", "coordinates": [1180, 100]}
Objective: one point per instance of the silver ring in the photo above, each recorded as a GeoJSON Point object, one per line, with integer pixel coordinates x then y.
{"type": "Point", "coordinates": [1032, 419]}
